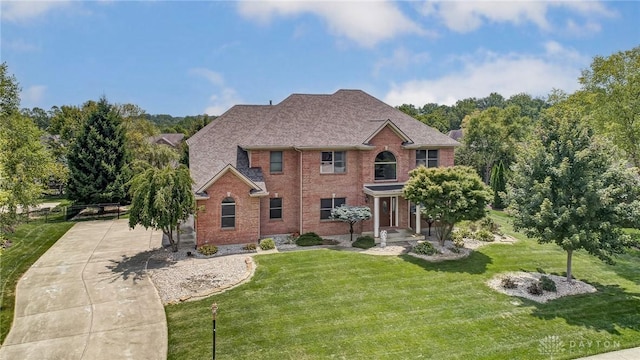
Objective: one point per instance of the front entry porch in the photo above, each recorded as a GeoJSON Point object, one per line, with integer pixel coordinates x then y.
{"type": "Point", "coordinates": [390, 210]}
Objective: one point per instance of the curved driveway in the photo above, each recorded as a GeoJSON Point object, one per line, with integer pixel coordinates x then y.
{"type": "Point", "coordinates": [87, 297]}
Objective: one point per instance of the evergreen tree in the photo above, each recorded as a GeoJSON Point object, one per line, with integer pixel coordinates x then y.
{"type": "Point", "coordinates": [98, 161]}
{"type": "Point", "coordinates": [498, 185]}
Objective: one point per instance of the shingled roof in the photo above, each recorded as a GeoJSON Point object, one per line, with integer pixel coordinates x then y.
{"type": "Point", "coordinates": [345, 119]}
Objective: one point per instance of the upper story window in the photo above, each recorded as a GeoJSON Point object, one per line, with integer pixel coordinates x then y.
{"type": "Point", "coordinates": [275, 163]}
{"type": "Point", "coordinates": [275, 208]}
{"type": "Point", "coordinates": [326, 205]}
{"type": "Point", "coordinates": [333, 162]}
{"type": "Point", "coordinates": [385, 166]}
{"type": "Point", "coordinates": [228, 213]}
{"type": "Point", "coordinates": [428, 158]}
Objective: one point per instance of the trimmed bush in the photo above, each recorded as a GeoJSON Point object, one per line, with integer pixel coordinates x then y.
{"type": "Point", "coordinates": [309, 239]}
{"type": "Point", "coordinates": [548, 284]}
{"type": "Point", "coordinates": [364, 242]}
{"type": "Point", "coordinates": [509, 283]}
{"type": "Point", "coordinates": [489, 225]}
{"type": "Point", "coordinates": [484, 235]}
{"type": "Point", "coordinates": [208, 249]}
{"type": "Point", "coordinates": [267, 244]}
{"type": "Point", "coordinates": [458, 243]}
{"type": "Point", "coordinates": [249, 247]}
{"type": "Point", "coordinates": [535, 288]}
{"type": "Point", "coordinates": [425, 248]}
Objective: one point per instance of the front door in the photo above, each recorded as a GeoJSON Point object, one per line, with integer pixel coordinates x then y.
{"type": "Point", "coordinates": [386, 212]}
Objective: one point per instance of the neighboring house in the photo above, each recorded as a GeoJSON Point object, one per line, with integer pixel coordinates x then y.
{"type": "Point", "coordinates": [170, 139]}
{"type": "Point", "coordinates": [455, 134]}
{"type": "Point", "coordinates": [262, 170]}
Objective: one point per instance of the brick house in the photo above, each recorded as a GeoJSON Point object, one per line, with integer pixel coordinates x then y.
{"type": "Point", "coordinates": [262, 170]}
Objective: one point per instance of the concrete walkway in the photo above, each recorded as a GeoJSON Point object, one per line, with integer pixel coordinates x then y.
{"type": "Point", "coordinates": [87, 297]}
{"type": "Point", "coordinates": [628, 354]}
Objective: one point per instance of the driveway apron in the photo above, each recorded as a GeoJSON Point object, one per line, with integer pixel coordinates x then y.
{"type": "Point", "coordinates": [88, 297]}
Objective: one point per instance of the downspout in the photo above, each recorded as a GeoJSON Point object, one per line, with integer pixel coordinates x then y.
{"type": "Point", "coordinates": [300, 198]}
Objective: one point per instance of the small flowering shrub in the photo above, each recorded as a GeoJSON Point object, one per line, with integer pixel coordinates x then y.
{"type": "Point", "coordinates": [267, 244]}
{"type": "Point", "coordinates": [208, 249]}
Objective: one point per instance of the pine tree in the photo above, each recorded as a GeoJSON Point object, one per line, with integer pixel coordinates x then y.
{"type": "Point", "coordinates": [498, 185]}
{"type": "Point", "coordinates": [98, 161]}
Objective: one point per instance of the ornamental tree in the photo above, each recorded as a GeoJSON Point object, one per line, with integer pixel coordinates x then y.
{"type": "Point", "coordinates": [351, 215]}
{"type": "Point", "coordinates": [571, 188]}
{"type": "Point", "coordinates": [448, 195]}
{"type": "Point", "coordinates": [162, 199]}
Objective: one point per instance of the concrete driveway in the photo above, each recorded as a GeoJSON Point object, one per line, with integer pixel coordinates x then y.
{"type": "Point", "coordinates": [88, 297]}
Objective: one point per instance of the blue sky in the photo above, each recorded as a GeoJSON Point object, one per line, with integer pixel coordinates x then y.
{"type": "Point", "coordinates": [187, 58]}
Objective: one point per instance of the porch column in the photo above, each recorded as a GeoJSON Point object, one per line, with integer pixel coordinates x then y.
{"type": "Point", "coordinates": [418, 224]}
{"type": "Point", "coordinates": [396, 207]}
{"type": "Point", "coordinates": [376, 217]}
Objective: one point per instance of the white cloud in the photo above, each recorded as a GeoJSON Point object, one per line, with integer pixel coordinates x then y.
{"type": "Point", "coordinates": [33, 95]}
{"type": "Point", "coordinates": [366, 23]}
{"type": "Point", "coordinates": [466, 16]}
{"type": "Point", "coordinates": [400, 59]}
{"type": "Point", "coordinates": [223, 98]}
{"type": "Point", "coordinates": [507, 74]}
{"type": "Point", "coordinates": [19, 45]}
{"type": "Point", "coordinates": [25, 10]}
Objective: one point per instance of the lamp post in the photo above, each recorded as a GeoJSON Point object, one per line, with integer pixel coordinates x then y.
{"type": "Point", "coordinates": [214, 312]}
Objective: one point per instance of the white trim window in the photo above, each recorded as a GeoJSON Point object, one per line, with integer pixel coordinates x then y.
{"type": "Point", "coordinates": [333, 162]}
{"type": "Point", "coordinates": [275, 208]}
{"type": "Point", "coordinates": [385, 166]}
{"type": "Point", "coordinates": [275, 162]}
{"type": "Point", "coordinates": [326, 205]}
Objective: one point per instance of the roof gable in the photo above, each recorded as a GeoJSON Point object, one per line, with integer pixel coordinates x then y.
{"type": "Point", "coordinates": [255, 188]}
{"type": "Point", "coordinates": [389, 124]}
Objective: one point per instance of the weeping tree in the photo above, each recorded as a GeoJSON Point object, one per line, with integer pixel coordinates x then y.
{"type": "Point", "coordinates": [448, 195]}
{"type": "Point", "coordinates": [351, 215]}
{"type": "Point", "coordinates": [162, 199]}
{"type": "Point", "coordinates": [571, 188]}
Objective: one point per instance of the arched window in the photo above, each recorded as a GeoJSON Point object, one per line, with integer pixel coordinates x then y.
{"type": "Point", "coordinates": [228, 214]}
{"type": "Point", "coordinates": [385, 166]}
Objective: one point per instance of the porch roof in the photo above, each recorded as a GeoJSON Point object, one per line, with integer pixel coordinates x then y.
{"type": "Point", "coordinates": [384, 189]}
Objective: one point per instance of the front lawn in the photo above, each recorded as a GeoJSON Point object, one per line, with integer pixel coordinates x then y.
{"type": "Point", "coordinates": [29, 242]}
{"type": "Point", "coordinates": [338, 304]}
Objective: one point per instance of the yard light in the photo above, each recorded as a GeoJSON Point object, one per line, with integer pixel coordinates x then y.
{"type": "Point", "coordinates": [214, 312]}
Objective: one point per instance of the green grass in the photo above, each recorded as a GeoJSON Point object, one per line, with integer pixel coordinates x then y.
{"type": "Point", "coordinates": [336, 304]}
{"type": "Point", "coordinates": [30, 241]}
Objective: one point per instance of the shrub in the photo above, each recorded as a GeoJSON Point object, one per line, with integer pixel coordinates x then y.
{"type": "Point", "coordinates": [267, 244]}
{"type": "Point", "coordinates": [465, 233]}
{"type": "Point", "coordinates": [208, 249]}
{"type": "Point", "coordinates": [456, 236]}
{"type": "Point", "coordinates": [548, 284]}
{"type": "Point", "coordinates": [488, 224]}
{"type": "Point", "coordinates": [535, 288]}
{"type": "Point", "coordinates": [458, 243]}
{"type": "Point", "coordinates": [309, 239]}
{"type": "Point", "coordinates": [364, 242]}
{"type": "Point", "coordinates": [509, 283]}
{"type": "Point", "coordinates": [249, 247]}
{"type": "Point", "coordinates": [454, 249]}
{"type": "Point", "coordinates": [484, 235]}
{"type": "Point", "coordinates": [425, 248]}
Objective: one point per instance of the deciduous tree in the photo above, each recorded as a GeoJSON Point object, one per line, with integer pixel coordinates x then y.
{"type": "Point", "coordinates": [448, 195]}
{"type": "Point", "coordinates": [351, 215]}
{"type": "Point", "coordinates": [162, 199]}
{"type": "Point", "coordinates": [570, 188]}
{"type": "Point", "coordinates": [615, 82]}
